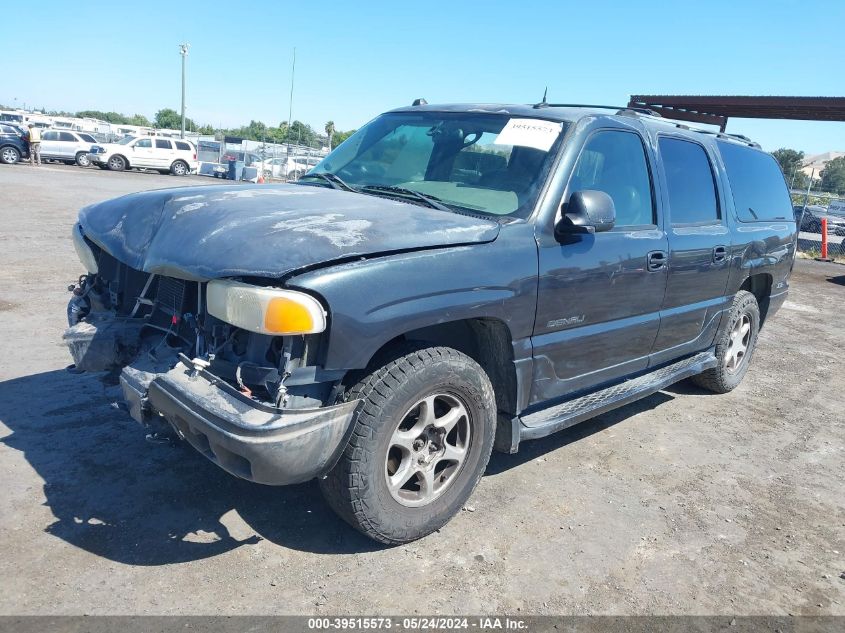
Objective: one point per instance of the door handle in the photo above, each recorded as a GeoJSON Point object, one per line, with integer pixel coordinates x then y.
{"type": "Point", "coordinates": [720, 254]}
{"type": "Point", "coordinates": [656, 260]}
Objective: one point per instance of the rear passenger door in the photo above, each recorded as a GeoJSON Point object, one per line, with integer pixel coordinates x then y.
{"type": "Point", "coordinates": [699, 249]}
{"type": "Point", "coordinates": [163, 153]}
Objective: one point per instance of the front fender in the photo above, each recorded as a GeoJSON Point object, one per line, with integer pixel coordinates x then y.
{"type": "Point", "coordinates": [376, 300]}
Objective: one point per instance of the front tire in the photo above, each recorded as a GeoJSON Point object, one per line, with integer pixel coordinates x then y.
{"type": "Point", "coordinates": [734, 347]}
{"type": "Point", "coordinates": [117, 163]}
{"type": "Point", "coordinates": [421, 439]}
{"type": "Point", "coordinates": [9, 155]}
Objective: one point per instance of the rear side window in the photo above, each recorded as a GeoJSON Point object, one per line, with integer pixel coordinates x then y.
{"type": "Point", "coordinates": [614, 162]}
{"type": "Point", "coordinates": [162, 144]}
{"type": "Point", "coordinates": [183, 146]}
{"type": "Point", "coordinates": [689, 182]}
{"type": "Point", "coordinates": [757, 184]}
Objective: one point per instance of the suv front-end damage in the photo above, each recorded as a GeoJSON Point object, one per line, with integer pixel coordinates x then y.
{"type": "Point", "coordinates": [247, 392]}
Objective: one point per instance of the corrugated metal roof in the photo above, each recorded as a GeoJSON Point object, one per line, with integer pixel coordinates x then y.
{"type": "Point", "coordinates": [716, 110]}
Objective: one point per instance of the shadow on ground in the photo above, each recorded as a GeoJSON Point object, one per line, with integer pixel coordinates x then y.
{"type": "Point", "coordinates": [119, 497]}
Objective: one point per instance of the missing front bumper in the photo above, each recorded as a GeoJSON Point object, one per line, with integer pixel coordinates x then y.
{"type": "Point", "coordinates": [246, 438]}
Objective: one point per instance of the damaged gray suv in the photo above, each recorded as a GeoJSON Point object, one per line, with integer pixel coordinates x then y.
{"type": "Point", "coordinates": [450, 280]}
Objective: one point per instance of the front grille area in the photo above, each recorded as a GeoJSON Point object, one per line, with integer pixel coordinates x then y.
{"type": "Point", "coordinates": [170, 296]}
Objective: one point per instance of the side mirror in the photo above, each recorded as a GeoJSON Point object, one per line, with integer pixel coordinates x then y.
{"type": "Point", "coordinates": [587, 211]}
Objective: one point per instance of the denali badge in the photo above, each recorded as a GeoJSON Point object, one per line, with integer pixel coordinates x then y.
{"type": "Point", "coordinates": [574, 320]}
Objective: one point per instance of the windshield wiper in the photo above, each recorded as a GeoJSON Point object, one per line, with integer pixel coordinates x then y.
{"type": "Point", "coordinates": [431, 201]}
{"type": "Point", "coordinates": [335, 181]}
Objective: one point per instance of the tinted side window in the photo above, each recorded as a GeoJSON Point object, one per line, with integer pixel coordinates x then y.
{"type": "Point", "coordinates": [757, 184]}
{"type": "Point", "coordinates": [615, 162]}
{"type": "Point", "coordinates": [162, 144]}
{"type": "Point", "coordinates": [50, 136]}
{"type": "Point", "coordinates": [689, 181]}
{"type": "Point", "coordinates": [144, 142]}
{"type": "Point", "coordinates": [183, 146]}
{"type": "Point", "coordinates": [5, 129]}
{"type": "Point", "coordinates": [67, 136]}
{"type": "Point", "coordinates": [87, 138]}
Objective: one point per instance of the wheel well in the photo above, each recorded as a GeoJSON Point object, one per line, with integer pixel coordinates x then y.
{"type": "Point", "coordinates": [760, 285]}
{"type": "Point", "coordinates": [178, 160]}
{"type": "Point", "coordinates": [125, 160]}
{"type": "Point", "coordinates": [487, 341]}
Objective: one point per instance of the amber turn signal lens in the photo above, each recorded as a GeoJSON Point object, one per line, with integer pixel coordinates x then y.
{"type": "Point", "coordinates": [284, 315]}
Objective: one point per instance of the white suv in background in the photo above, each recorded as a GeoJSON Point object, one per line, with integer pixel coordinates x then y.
{"type": "Point", "coordinates": [66, 146]}
{"type": "Point", "coordinates": [166, 155]}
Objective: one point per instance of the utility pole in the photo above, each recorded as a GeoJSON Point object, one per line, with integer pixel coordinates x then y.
{"type": "Point", "coordinates": [809, 187]}
{"type": "Point", "coordinates": [290, 111]}
{"type": "Point", "coordinates": [183, 51]}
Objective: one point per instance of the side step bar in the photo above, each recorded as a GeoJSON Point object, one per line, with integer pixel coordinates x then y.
{"type": "Point", "coordinates": [563, 415]}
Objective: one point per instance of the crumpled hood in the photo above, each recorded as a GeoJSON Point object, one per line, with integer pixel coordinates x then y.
{"type": "Point", "coordinates": [265, 230]}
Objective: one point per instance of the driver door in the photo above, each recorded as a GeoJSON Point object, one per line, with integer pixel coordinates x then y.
{"type": "Point", "coordinates": [599, 295]}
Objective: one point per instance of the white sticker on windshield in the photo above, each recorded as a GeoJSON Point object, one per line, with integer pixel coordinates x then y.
{"type": "Point", "coordinates": [529, 133]}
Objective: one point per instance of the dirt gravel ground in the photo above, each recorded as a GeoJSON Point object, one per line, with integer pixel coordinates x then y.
{"type": "Point", "coordinates": [683, 503]}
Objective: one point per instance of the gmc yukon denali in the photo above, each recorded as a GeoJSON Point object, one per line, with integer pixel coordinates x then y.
{"type": "Point", "coordinates": [449, 280]}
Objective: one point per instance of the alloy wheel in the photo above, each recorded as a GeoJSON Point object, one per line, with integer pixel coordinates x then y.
{"type": "Point", "coordinates": [428, 449]}
{"type": "Point", "coordinates": [740, 337]}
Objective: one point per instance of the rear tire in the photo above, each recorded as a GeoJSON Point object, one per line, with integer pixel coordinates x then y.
{"type": "Point", "coordinates": [735, 346]}
{"type": "Point", "coordinates": [82, 159]}
{"type": "Point", "coordinates": [421, 439]}
{"type": "Point", "coordinates": [9, 155]}
{"type": "Point", "coordinates": [179, 168]}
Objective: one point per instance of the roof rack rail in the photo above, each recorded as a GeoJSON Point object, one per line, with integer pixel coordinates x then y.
{"type": "Point", "coordinates": [733, 137]}
{"type": "Point", "coordinates": [619, 109]}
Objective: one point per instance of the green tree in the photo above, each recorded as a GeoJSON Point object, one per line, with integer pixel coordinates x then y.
{"type": "Point", "coordinates": [139, 119]}
{"type": "Point", "coordinates": [301, 133]}
{"type": "Point", "coordinates": [111, 117]}
{"type": "Point", "coordinates": [170, 119]}
{"type": "Point", "coordinates": [791, 161]}
{"type": "Point", "coordinates": [339, 137]}
{"type": "Point", "coordinates": [330, 129]}
{"type": "Point", "coordinates": [833, 176]}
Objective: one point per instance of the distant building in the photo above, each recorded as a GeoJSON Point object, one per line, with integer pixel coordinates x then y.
{"type": "Point", "coordinates": [816, 162]}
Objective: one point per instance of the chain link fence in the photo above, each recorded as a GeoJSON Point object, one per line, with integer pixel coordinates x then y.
{"type": "Point", "coordinates": [817, 212]}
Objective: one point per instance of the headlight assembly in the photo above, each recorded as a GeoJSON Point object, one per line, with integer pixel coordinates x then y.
{"type": "Point", "coordinates": [265, 310]}
{"type": "Point", "coordinates": [83, 251]}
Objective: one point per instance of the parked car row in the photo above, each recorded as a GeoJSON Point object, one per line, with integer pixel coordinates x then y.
{"type": "Point", "coordinates": [174, 156]}
{"type": "Point", "coordinates": [13, 146]}
{"type": "Point", "coordinates": [166, 155]}
{"type": "Point", "coordinates": [811, 220]}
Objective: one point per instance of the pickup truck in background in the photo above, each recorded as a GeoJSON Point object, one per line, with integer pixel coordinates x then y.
{"type": "Point", "coordinates": [449, 280]}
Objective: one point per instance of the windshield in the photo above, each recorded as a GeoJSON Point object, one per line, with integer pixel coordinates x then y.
{"type": "Point", "coordinates": [481, 162]}
{"type": "Point", "coordinates": [126, 140]}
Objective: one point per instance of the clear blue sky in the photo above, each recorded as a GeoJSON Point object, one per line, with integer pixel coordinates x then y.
{"type": "Point", "coordinates": [356, 59]}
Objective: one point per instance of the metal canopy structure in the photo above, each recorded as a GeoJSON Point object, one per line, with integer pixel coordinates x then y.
{"type": "Point", "coordinates": [716, 110]}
